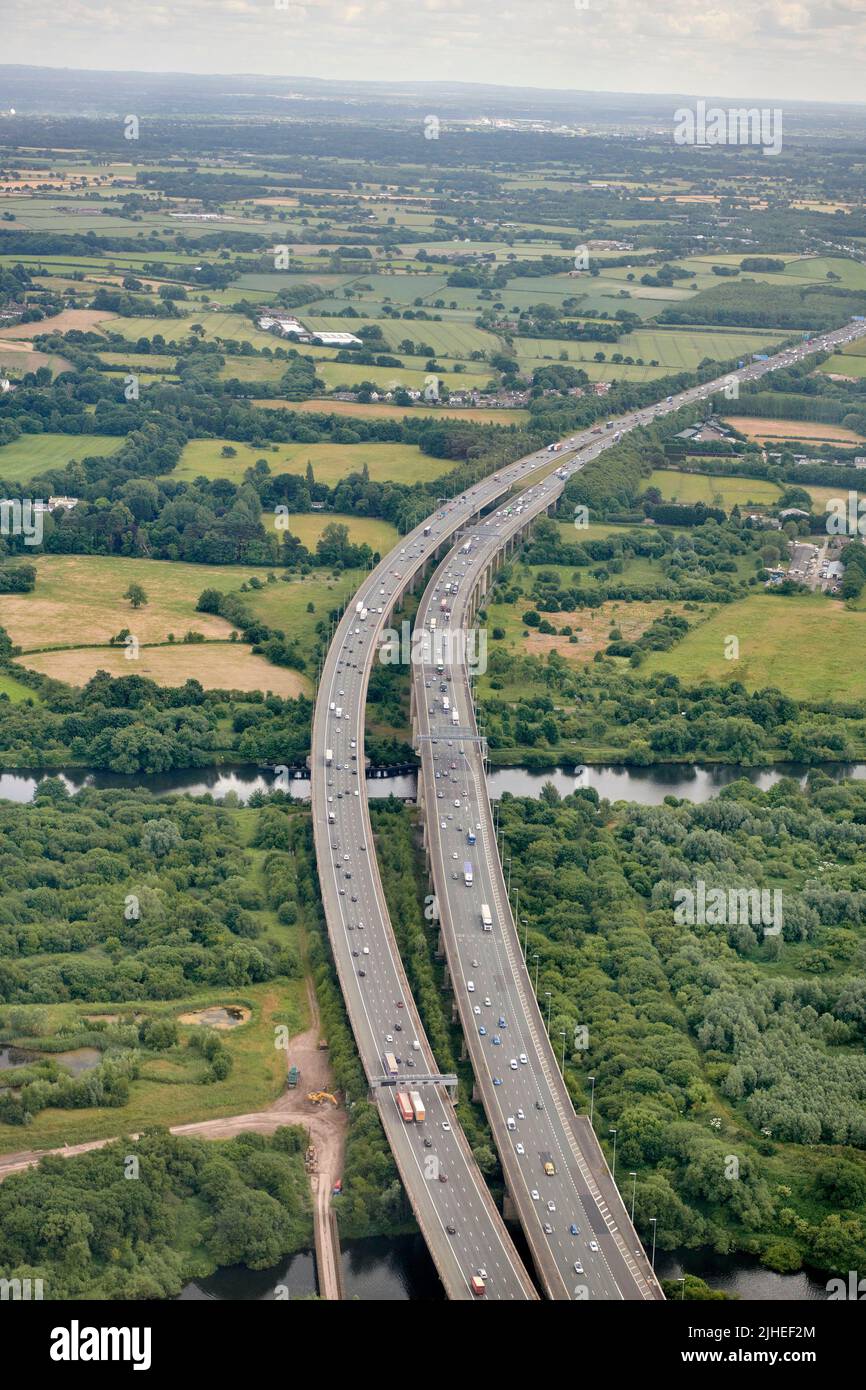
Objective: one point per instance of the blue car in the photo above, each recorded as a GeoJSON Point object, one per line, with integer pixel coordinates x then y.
{"type": "Point", "coordinates": [573, 1229]}
{"type": "Point", "coordinates": [483, 1031]}
{"type": "Point", "coordinates": [497, 1080]}
{"type": "Point", "coordinates": [497, 1041]}
{"type": "Point", "coordinates": [502, 1023]}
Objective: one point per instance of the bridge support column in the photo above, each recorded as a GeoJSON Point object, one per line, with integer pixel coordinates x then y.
{"type": "Point", "coordinates": [440, 948]}
{"type": "Point", "coordinates": [509, 1208]}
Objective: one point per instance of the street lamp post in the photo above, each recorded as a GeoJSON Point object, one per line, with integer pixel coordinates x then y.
{"type": "Point", "coordinates": [535, 958]}
{"type": "Point", "coordinates": [653, 1220]}
{"type": "Point", "coordinates": [591, 1100]}
{"type": "Point", "coordinates": [613, 1169]}
{"type": "Point", "coordinates": [562, 1034]}
{"type": "Point", "coordinates": [549, 994]}
{"type": "Point", "coordinates": [633, 1176]}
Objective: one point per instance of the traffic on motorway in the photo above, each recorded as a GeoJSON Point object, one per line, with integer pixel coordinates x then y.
{"type": "Point", "coordinates": [581, 1239]}
{"type": "Point", "coordinates": [448, 1194]}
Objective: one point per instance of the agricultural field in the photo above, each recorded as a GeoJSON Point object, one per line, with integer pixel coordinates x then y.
{"type": "Point", "coordinates": [217, 665]}
{"type": "Point", "coordinates": [78, 601]}
{"type": "Point", "coordinates": [31, 454]}
{"type": "Point", "coordinates": [376, 410]}
{"type": "Point", "coordinates": [713, 491]}
{"type": "Point", "coordinates": [802, 645]}
{"type": "Point", "coordinates": [330, 462]}
{"type": "Point", "coordinates": [381, 536]}
{"type": "Point", "coordinates": [757, 427]}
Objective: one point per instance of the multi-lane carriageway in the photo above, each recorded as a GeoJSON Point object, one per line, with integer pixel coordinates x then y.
{"type": "Point", "coordinates": [456, 1215]}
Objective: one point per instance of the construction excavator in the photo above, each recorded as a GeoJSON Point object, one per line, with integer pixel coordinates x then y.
{"type": "Point", "coordinates": [317, 1097]}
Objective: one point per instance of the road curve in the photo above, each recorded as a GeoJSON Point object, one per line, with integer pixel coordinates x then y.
{"type": "Point", "coordinates": [452, 1205]}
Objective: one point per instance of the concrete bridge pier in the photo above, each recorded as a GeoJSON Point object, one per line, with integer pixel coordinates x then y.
{"type": "Point", "coordinates": [509, 1207]}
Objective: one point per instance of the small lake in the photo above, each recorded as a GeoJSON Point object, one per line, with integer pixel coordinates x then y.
{"type": "Point", "coordinates": [615, 782]}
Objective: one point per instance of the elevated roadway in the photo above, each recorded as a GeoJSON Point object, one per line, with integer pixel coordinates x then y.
{"type": "Point", "coordinates": [448, 1195]}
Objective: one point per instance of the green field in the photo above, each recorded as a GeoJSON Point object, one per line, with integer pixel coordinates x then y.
{"type": "Point", "coordinates": [376, 410]}
{"type": "Point", "coordinates": [689, 488]}
{"type": "Point", "coordinates": [802, 645]}
{"type": "Point", "coordinates": [363, 530]}
{"type": "Point", "coordinates": [14, 690]}
{"type": "Point", "coordinates": [32, 454]}
{"type": "Point", "coordinates": [402, 463]}
{"type": "Point", "coordinates": [845, 364]}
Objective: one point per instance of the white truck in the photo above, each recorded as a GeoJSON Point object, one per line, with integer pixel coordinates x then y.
{"type": "Point", "coordinates": [329, 757]}
{"type": "Point", "coordinates": [455, 717]}
{"type": "Point", "coordinates": [486, 918]}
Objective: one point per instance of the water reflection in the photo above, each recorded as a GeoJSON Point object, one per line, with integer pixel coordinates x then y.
{"type": "Point", "coordinates": [383, 1269]}
{"type": "Point", "coordinates": [646, 785]}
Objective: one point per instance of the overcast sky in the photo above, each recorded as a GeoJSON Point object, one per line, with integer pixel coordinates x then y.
{"type": "Point", "coordinates": [804, 49]}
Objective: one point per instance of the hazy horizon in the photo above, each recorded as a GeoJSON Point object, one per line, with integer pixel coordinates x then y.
{"type": "Point", "coordinates": [781, 50]}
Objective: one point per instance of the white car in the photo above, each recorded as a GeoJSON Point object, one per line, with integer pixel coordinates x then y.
{"type": "Point", "coordinates": [520, 1149]}
{"type": "Point", "coordinates": [593, 1245]}
{"type": "Point", "coordinates": [534, 1194]}
{"type": "Point", "coordinates": [446, 1125]}
{"type": "Point", "coordinates": [470, 985]}
{"type": "Point", "coordinates": [476, 1010]}
{"type": "Point", "coordinates": [514, 1064]}
{"type": "Point", "coordinates": [551, 1206]}
{"type": "Point", "coordinates": [487, 1003]}
{"type": "Point", "coordinates": [523, 1059]}
{"type": "Point", "coordinates": [520, 1115]}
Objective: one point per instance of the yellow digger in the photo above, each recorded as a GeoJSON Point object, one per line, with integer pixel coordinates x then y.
{"type": "Point", "coordinates": [317, 1097]}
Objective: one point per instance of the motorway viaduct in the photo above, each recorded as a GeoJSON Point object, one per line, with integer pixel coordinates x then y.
{"type": "Point", "coordinates": [454, 1210]}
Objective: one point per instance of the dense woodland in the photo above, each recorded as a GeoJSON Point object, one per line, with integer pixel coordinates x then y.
{"type": "Point", "coordinates": [708, 1041]}
{"type": "Point", "coordinates": [140, 1218]}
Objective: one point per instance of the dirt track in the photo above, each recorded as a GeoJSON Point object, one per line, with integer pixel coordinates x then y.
{"type": "Point", "coordinates": [325, 1124]}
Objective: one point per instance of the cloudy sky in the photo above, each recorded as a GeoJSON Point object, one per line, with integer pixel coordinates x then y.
{"type": "Point", "coordinates": [805, 49]}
